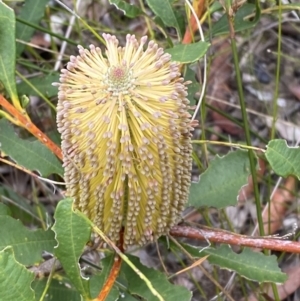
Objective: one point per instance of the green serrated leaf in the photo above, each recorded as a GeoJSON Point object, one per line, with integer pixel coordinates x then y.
{"type": "Point", "coordinates": [33, 13]}
{"type": "Point", "coordinates": [219, 185]}
{"type": "Point", "coordinates": [164, 10]}
{"type": "Point", "coordinates": [284, 159]}
{"type": "Point", "coordinates": [15, 279]}
{"type": "Point", "coordinates": [137, 286]}
{"type": "Point", "coordinates": [240, 23]}
{"type": "Point", "coordinates": [8, 51]}
{"type": "Point", "coordinates": [129, 10]}
{"type": "Point", "coordinates": [4, 210]}
{"type": "Point", "coordinates": [58, 290]}
{"type": "Point", "coordinates": [72, 232]}
{"type": "Point", "coordinates": [27, 245]}
{"type": "Point", "coordinates": [249, 264]}
{"type": "Point", "coordinates": [41, 83]}
{"type": "Point", "coordinates": [188, 53]}
{"type": "Point", "coordinates": [32, 155]}
{"type": "Point", "coordinates": [97, 282]}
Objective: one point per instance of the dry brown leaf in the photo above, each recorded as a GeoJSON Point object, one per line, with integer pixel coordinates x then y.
{"type": "Point", "coordinates": [295, 90]}
{"type": "Point", "coordinates": [40, 40]}
{"type": "Point", "coordinates": [220, 72]}
{"type": "Point", "coordinates": [285, 289]}
{"type": "Point", "coordinates": [216, 130]}
{"type": "Point", "coordinates": [287, 130]}
{"type": "Point", "coordinates": [226, 125]}
{"type": "Point", "coordinates": [278, 207]}
{"type": "Point", "coordinates": [247, 190]}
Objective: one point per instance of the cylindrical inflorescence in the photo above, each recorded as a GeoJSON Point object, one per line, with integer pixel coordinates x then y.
{"type": "Point", "coordinates": [126, 138]}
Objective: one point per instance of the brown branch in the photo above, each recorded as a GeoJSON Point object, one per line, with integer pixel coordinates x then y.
{"type": "Point", "coordinates": [225, 237]}
{"type": "Point", "coordinates": [24, 121]}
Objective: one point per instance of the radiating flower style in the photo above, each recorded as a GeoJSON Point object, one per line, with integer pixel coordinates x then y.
{"type": "Point", "coordinates": [125, 134]}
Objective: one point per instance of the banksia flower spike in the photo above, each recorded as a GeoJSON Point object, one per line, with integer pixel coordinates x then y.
{"type": "Point", "coordinates": [125, 134]}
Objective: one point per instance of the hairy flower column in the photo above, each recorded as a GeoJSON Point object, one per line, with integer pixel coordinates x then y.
{"type": "Point", "coordinates": [126, 138]}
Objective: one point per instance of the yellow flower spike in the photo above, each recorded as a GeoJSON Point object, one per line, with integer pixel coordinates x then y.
{"type": "Point", "coordinates": [126, 138]}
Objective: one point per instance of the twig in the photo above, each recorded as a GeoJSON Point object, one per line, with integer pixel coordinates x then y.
{"type": "Point", "coordinates": [222, 236]}
{"type": "Point", "coordinates": [67, 35]}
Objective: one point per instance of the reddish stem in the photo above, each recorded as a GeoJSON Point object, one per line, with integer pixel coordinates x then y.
{"type": "Point", "coordinates": [114, 272]}
{"type": "Point", "coordinates": [25, 122]}
{"type": "Point", "coordinates": [192, 25]}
